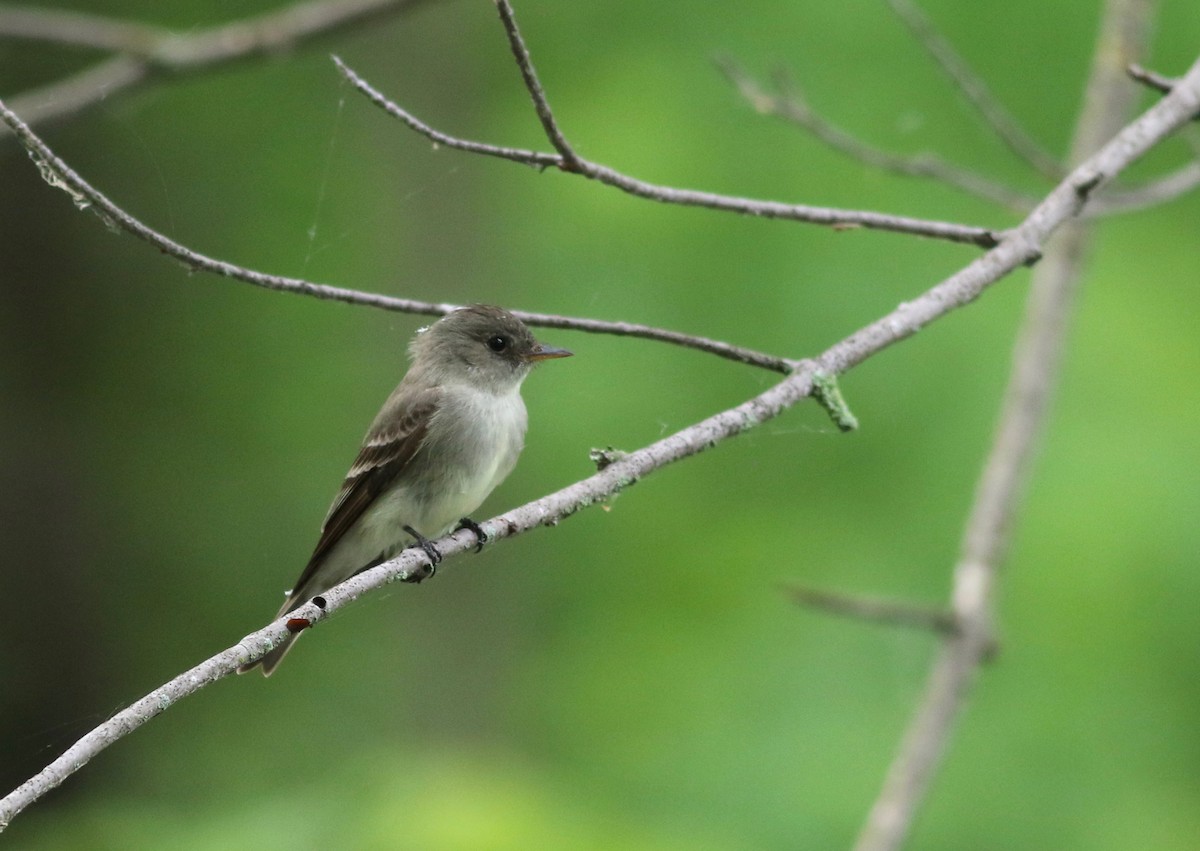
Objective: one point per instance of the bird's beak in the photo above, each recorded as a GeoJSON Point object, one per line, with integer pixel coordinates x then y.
{"type": "Point", "coordinates": [544, 352]}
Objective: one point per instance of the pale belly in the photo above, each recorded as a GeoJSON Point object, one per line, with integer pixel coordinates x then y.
{"type": "Point", "coordinates": [481, 440]}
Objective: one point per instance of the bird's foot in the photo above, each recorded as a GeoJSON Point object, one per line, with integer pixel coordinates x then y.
{"type": "Point", "coordinates": [481, 537]}
{"type": "Point", "coordinates": [426, 570]}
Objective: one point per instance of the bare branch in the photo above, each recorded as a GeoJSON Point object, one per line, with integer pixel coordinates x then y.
{"type": "Point", "coordinates": [791, 106]}
{"type": "Point", "coordinates": [1021, 246]}
{"type": "Point", "coordinates": [75, 93]}
{"type": "Point", "coordinates": [728, 351]}
{"type": "Point", "coordinates": [534, 86]}
{"type": "Point", "coordinates": [875, 609]}
{"type": "Point", "coordinates": [80, 29]}
{"type": "Point", "coordinates": [1153, 79]}
{"type": "Point", "coordinates": [1151, 194]}
{"type": "Point", "coordinates": [831, 217]}
{"type": "Point", "coordinates": [154, 50]}
{"type": "Point", "coordinates": [1124, 31]}
{"type": "Point", "coordinates": [534, 159]}
{"type": "Point", "coordinates": [59, 174]}
{"type": "Point", "coordinates": [976, 91]}
{"type": "Point", "coordinates": [1163, 189]}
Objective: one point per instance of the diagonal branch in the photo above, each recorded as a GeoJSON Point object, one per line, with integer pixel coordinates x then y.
{"type": "Point", "coordinates": [534, 86]}
{"type": "Point", "coordinates": [832, 217]}
{"type": "Point", "coordinates": [59, 174]}
{"type": "Point", "coordinates": [80, 29]}
{"type": "Point", "coordinates": [1022, 246]}
{"type": "Point", "coordinates": [976, 91]}
{"type": "Point", "coordinates": [1036, 359]}
{"type": "Point", "coordinates": [148, 51]}
{"type": "Point", "coordinates": [790, 105]}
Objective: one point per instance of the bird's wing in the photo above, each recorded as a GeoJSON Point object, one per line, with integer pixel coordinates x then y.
{"type": "Point", "coordinates": [386, 452]}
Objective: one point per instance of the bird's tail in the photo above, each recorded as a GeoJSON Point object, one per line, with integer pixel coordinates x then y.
{"type": "Point", "coordinates": [271, 660]}
{"type": "Point", "coordinates": [320, 574]}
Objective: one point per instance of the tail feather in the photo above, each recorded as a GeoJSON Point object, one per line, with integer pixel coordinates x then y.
{"type": "Point", "coordinates": [321, 574]}
{"type": "Point", "coordinates": [271, 660]}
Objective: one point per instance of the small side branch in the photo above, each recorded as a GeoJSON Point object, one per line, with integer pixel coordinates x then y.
{"type": "Point", "coordinates": [791, 106]}
{"type": "Point", "coordinates": [534, 86]}
{"type": "Point", "coordinates": [1156, 81]}
{"type": "Point", "coordinates": [1150, 194]}
{"type": "Point", "coordinates": [976, 91]}
{"type": "Point", "coordinates": [831, 217]}
{"type": "Point", "coordinates": [1153, 79]}
{"type": "Point", "coordinates": [875, 609]}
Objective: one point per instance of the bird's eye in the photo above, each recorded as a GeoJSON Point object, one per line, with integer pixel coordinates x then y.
{"type": "Point", "coordinates": [498, 343]}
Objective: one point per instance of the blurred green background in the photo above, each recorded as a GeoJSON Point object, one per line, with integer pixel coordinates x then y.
{"type": "Point", "coordinates": [633, 678]}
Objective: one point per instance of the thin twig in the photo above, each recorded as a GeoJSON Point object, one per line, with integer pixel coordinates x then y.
{"type": "Point", "coordinates": [831, 217]}
{"type": "Point", "coordinates": [976, 91]}
{"type": "Point", "coordinates": [874, 609]}
{"type": "Point", "coordinates": [1150, 194]}
{"type": "Point", "coordinates": [58, 173]}
{"type": "Point", "coordinates": [534, 86]}
{"type": "Point", "coordinates": [1162, 189]}
{"type": "Point", "coordinates": [534, 159]}
{"type": "Point", "coordinates": [71, 95]}
{"type": "Point", "coordinates": [80, 29]}
{"type": "Point", "coordinates": [790, 105]}
{"type": "Point", "coordinates": [740, 354]}
{"type": "Point", "coordinates": [1023, 245]}
{"type": "Point", "coordinates": [149, 51]}
{"type": "Point", "coordinates": [1036, 360]}
{"type": "Point", "coordinates": [1156, 81]}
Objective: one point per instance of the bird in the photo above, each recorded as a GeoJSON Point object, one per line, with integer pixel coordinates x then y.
{"type": "Point", "coordinates": [448, 434]}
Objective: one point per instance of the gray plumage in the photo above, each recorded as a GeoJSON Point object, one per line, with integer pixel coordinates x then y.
{"type": "Point", "coordinates": [448, 434]}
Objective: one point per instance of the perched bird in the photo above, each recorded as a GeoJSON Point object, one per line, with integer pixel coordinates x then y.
{"type": "Point", "coordinates": [449, 433]}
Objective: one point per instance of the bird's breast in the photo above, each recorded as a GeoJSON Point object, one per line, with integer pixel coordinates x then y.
{"type": "Point", "coordinates": [472, 445]}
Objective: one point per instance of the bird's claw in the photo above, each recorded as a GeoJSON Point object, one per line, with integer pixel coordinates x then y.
{"type": "Point", "coordinates": [426, 570]}
{"type": "Point", "coordinates": [481, 536]}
